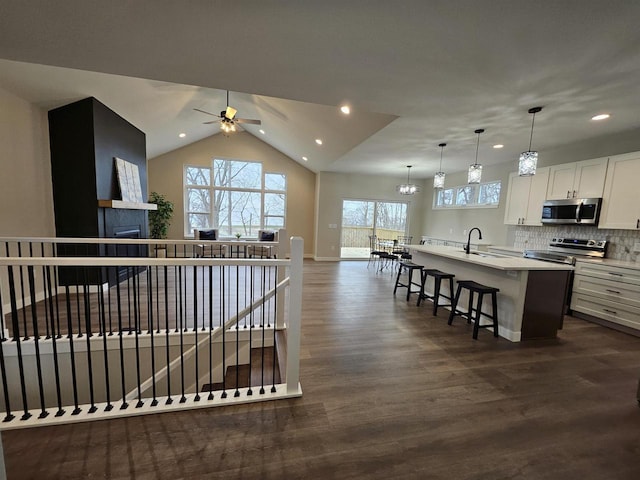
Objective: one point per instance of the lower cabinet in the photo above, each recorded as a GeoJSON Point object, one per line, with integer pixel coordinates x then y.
{"type": "Point", "coordinates": [607, 292]}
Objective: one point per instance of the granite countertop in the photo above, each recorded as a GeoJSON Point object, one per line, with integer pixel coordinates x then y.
{"type": "Point", "coordinates": [490, 260]}
{"type": "Point", "coordinates": [610, 262]}
{"type": "Point", "coordinates": [602, 261]}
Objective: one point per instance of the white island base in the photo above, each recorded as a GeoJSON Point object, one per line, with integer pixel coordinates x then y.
{"type": "Point", "coordinates": [532, 296]}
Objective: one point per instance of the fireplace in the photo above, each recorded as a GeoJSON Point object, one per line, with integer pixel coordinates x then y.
{"type": "Point", "coordinates": [126, 250]}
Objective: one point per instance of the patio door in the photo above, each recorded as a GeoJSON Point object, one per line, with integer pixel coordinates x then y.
{"type": "Point", "coordinates": [361, 218]}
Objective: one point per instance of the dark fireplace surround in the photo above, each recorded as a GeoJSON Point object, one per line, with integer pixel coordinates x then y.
{"type": "Point", "coordinates": [85, 138]}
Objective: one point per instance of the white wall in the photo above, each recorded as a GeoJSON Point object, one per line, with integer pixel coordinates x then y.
{"type": "Point", "coordinates": [451, 224]}
{"type": "Point", "coordinates": [335, 187]}
{"type": "Point", "coordinates": [165, 174]}
{"type": "Point", "coordinates": [26, 196]}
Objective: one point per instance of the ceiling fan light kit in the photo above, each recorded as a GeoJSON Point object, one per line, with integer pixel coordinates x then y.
{"type": "Point", "coordinates": [475, 170]}
{"type": "Point", "coordinates": [407, 188]}
{"type": "Point", "coordinates": [438, 179]}
{"type": "Point", "coordinates": [528, 160]}
{"type": "Point", "coordinates": [228, 121]}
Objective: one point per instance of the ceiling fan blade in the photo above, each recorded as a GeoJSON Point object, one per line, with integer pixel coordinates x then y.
{"type": "Point", "coordinates": [212, 121]}
{"type": "Point", "coordinates": [247, 120]}
{"type": "Point", "coordinates": [202, 111]}
{"type": "Point", "coordinates": [230, 113]}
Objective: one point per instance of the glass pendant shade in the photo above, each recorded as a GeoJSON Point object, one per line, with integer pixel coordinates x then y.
{"type": "Point", "coordinates": [475, 173]}
{"type": "Point", "coordinates": [475, 170]}
{"type": "Point", "coordinates": [438, 179]}
{"type": "Point", "coordinates": [527, 163]}
{"type": "Point", "coordinates": [528, 160]}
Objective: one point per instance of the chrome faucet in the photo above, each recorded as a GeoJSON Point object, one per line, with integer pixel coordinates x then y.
{"type": "Point", "coordinates": [467, 247]}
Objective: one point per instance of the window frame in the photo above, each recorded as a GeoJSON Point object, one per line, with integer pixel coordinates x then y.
{"type": "Point", "coordinates": [456, 192]}
{"type": "Point", "coordinates": [212, 188]}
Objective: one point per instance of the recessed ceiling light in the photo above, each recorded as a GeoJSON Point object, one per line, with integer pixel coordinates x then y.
{"type": "Point", "coordinates": [261, 131]}
{"type": "Point", "coordinates": [602, 116]}
{"type": "Point", "coordinates": [498, 145]}
{"type": "Point", "coordinates": [318, 141]}
{"type": "Point", "coordinates": [182, 135]}
{"type": "Point", "coordinates": [345, 109]}
{"type": "Point", "coordinates": [305, 158]}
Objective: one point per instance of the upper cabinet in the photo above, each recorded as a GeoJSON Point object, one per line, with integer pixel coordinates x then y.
{"type": "Point", "coordinates": [577, 180]}
{"type": "Point", "coordinates": [525, 197]}
{"type": "Point", "coordinates": [621, 199]}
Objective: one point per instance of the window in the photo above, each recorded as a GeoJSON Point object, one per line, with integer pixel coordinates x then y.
{"type": "Point", "coordinates": [483, 195]}
{"type": "Point", "coordinates": [235, 197]}
{"type": "Point", "coordinates": [361, 218]}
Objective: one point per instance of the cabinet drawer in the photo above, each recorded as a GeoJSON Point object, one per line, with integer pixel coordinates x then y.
{"type": "Point", "coordinates": [617, 274]}
{"type": "Point", "coordinates": [607, 310]}
{"type": "Point", "coordinates": [624, 293]}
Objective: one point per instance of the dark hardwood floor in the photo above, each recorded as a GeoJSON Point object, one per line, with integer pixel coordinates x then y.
{"type": "Point", "coordinates": [389, 392]}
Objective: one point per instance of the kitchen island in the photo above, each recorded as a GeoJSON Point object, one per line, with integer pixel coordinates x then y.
{"type": "Point", "coordinates": [532, 296]}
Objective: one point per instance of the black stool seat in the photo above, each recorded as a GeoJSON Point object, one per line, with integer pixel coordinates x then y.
{"type": "Point", "coordinates": [410, 266]}
{"type": "Point", "coordinates": [481, 290]}
{"type": "Point", "coordinates": [438, 276]}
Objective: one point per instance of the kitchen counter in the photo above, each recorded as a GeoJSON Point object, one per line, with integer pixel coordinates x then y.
{"type": "Point", "coordinates": [610, 262]}
{"type": "Point", "coordinates": [532, 293]}
{"type": "Point", "coordinates": [490, 259]}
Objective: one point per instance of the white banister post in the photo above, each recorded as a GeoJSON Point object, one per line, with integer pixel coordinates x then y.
{"type": "Point", "coordinates": [283, 252]}
{"type": "Point", "coordinates": [295, 315]}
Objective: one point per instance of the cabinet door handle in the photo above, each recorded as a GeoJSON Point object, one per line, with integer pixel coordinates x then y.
{"type": "Point", "coordinates": [613, 291]}
{"type": "Point", "coordinates": [610, 311]}
{"type": "Point", "coordinates": [574, 194]}
{"type": "Point", "coordinates": [616, 274]}
{"type": "Point", "coordinates": [568, 193]}
{"type": "Point", "coordinates": [638, 223]}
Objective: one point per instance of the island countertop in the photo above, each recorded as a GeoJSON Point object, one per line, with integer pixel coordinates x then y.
{"type": "Point", "coordinates": [491, 260]}
{"type": "Point", "coordinates": [532, 293]}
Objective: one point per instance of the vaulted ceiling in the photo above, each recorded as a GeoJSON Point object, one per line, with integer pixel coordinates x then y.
{"type": "Point", "coordinates": [415, 73]}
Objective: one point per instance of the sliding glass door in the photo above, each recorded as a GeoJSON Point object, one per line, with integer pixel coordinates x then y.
{"type": "Point", "coordinates": [362, 218]}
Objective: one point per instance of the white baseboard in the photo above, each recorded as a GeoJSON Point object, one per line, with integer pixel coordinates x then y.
{"type": "Point", "coordinates": [326, 259]}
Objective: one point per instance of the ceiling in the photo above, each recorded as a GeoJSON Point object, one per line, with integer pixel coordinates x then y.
{"type": "Point", "coordinates": [415, 73]}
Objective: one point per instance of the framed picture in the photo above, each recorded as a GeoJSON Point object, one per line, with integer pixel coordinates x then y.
{"type": "Point", "coordinates": [129, 181]}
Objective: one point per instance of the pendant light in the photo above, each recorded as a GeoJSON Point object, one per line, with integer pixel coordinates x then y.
{"type": "Point", "coordinates": [438, 179]}
{"type": "Point", "coordinates": [529, 159]}
{"type": "Point", "coordinates": [475, 170]}
{"type": "Point", "coordinates": [408, 188]}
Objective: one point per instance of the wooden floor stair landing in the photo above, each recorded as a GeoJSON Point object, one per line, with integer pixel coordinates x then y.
{"type": "Point", "coordinates": [253, 375]}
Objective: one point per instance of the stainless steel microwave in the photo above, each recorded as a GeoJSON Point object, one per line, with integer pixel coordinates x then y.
{"type": "Point", "coordinates": [572, 211]}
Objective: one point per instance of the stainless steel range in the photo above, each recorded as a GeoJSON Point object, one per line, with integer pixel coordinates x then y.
{"type": "Point", "coordinates": [566, 250]}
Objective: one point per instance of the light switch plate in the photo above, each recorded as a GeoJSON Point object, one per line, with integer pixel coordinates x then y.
{"type": "Point", "coordinates": [636, 247]}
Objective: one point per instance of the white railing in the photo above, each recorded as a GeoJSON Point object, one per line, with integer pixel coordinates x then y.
{"type": "Point", "coordinates": [160, 338]}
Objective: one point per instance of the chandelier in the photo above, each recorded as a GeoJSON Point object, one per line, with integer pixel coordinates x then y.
{"type": "Point", "coordinates": [475, 170]}
{"type": "Point", "coordinates": [529, 159]}
{"type": "Point", "coordinates": [408, 188]}
{"type": "Point", "coordinates": [438, 179]}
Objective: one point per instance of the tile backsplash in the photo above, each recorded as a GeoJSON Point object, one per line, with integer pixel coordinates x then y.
{"type": "Point", "coordinates": [621, 242]}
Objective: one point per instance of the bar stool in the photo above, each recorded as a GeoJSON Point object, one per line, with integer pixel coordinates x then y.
{"type": "Point", "coordinates": [410, 266]}
{"type": "Point", "coordinates": [438, 276]}
{"type": "Point", "coordinates": [481, 290]}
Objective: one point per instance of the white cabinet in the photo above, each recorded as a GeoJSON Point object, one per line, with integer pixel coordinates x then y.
{"type": "Point", "coordinates": [621, 199]}
{"type": "Point", "coordinates": [577, 180]}
{"type": "Point", "coordinates": [525, 196]}
{"type": "Point", "coordinates": [608, 292]}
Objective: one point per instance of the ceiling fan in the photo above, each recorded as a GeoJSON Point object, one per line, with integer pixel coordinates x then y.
{"type": "Point", "coordinates": [228, 120]}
